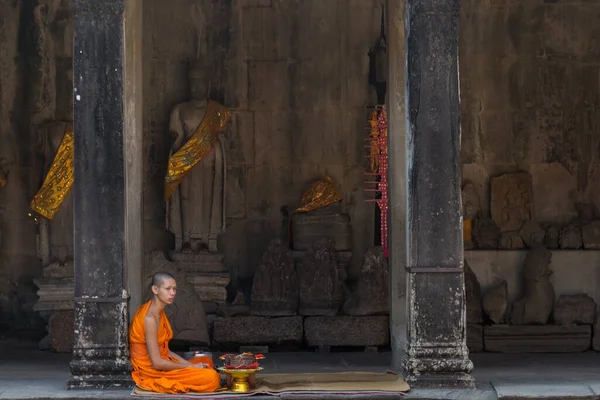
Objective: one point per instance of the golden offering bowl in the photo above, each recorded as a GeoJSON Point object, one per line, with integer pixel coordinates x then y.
{"type": "Point", "coordinates": [239, 383]}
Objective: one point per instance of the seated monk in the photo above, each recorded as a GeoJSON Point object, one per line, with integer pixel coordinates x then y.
{"type": "Point", "coordinates": [155, 367]}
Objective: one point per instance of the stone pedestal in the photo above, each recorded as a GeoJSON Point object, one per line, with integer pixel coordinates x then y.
{"type": "Point", "coordinates": [105, 210]}
{"type": "Point", "coordinates": [207, 273]}
{"type": "Point", "coordinates": [327, 222]}
{"type": "Point", "coordinates": [54, 294]}
{"type": "Point", "coordinates": [437, 352]}
{"type": "Point", "coordinates": [537, 338]}
{"type": "Point", "coordinates": [347, 331]}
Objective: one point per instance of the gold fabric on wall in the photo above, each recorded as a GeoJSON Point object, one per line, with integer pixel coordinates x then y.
{"type": "Point", "coordinates": [59, 179]}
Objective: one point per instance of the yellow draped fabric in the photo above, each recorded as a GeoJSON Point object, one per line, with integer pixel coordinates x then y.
{"type": "Point", "coordinates": [215, 121]}
{"type": "Point", "coordinates": [58, 181]}
{"type": "Point", "coordinates": [322, 193]}
{"type": "Point", "coordinates": [375, 151]}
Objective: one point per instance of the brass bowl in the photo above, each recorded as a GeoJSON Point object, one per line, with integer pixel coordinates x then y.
{"type": "Point", "coordinates": [239, 383]}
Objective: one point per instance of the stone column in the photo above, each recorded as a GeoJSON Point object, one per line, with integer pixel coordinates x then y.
{"type": "Point", "coordinates": [396, 181]}
{"type": "Point", "coordinates": [437, 353]}
{"type": "Point", "coordinates": [102, 203]}
{"type": "Point", "coordinates": [133, 130]}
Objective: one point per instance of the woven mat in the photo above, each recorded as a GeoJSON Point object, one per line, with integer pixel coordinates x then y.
{"type": "Point", "coordinates": [278, 384]}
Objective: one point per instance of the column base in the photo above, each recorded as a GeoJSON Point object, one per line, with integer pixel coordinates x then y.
{"type": "Point", "coordinates": [100, 382]}
{"type": "Point", "coordinates": [458, 380]}
{"type": "Point", "coordinates": [438, 367]}
{"type": "Point", "coordinates": [100, 373]}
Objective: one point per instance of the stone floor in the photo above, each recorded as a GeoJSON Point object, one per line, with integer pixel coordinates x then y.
{"type": "Point", "coordinates": [26, 373]}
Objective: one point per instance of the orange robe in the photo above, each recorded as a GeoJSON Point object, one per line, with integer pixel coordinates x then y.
{"type": "Point", "coordinates": [175, 381]}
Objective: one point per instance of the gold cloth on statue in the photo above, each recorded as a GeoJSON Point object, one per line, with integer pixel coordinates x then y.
{"type": "Point", "coordinates": [374, 133]}
{"type": "Point", "coordinates": [322, 193]}
{"type": "Point", "coordinates": [198, 146]}
{"type": "Point", "coordinates": [59, 179]}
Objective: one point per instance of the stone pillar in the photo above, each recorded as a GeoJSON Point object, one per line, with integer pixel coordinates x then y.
{"type": "Point", "coordinates": [437, 352]}
{"type": "Point", "coordinates": [133, 142]}
{"type": "Point", "coordinates": [102, 202]}
{"type": "Point", "coordinates": [397, 182]}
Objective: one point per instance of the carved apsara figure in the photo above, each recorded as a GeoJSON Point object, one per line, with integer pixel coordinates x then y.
{"type": "Point", "coordinates": [320, 284]}
{"type": "Point", "coordinates": [195, 179]}
{"type": "Point", "coordinates": [511, 201]}
{"type": "Point", "coordinates": [275, 287]}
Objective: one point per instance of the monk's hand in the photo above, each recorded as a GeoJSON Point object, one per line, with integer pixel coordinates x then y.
{"type": "Point", "coordinates": [200, 365]}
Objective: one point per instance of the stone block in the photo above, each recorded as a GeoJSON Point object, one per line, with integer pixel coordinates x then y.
{"type": "Point", "coordinates": [258, 330]}
{"type": "Point", "coordinates": [537, 338]}
{"type": "Point", "coordinates": [210, 286]}
{"type": "Point", "coordinates": [60, 328]}
{"type": "Point", "coordinates": [347, 331]}
{"type": "Point", "coordinates": [571, 238]}
{"type": "Point", "coordinates": [575, 309]}
{"type": "Point", "coordinates": [475, 338]}
{"type": "Point", "coordinates": [532, 234]}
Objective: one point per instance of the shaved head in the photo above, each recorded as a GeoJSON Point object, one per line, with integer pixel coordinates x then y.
{"type": "Point", "coordinates": [163, 288]}
{"type": "Point", "coordinates": [160, 278]}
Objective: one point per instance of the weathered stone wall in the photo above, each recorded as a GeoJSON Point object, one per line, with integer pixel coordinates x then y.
{"type": "Point", "coordinates": [530, 97]}
{"type": "Point", "coordinates": [295, 74]}
{"type": "Point", "coordinates": [35, 87]}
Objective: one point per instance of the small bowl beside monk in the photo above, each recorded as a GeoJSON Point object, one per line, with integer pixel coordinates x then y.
{"type": "Point", "coordinates": [190, 355]}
